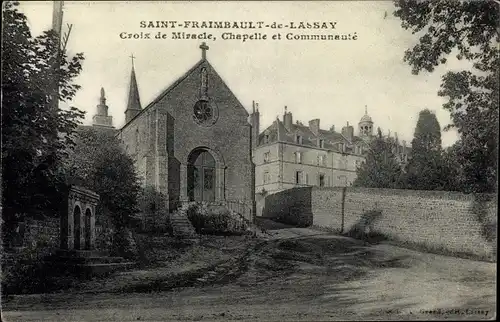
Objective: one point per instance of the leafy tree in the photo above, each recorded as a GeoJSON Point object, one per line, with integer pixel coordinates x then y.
{"type": "Point", "coordinates": [425, 168]}
{"type": "Point", "coordinates": [452, 169]}
{"type": "Point", "coordinates": [98, 162]}
{"type": "Point", "coordinates": [469, 29]}
{"type": "Point", "coordinates": [35, 134]}
{"type": "Point", "coordinates": [381, 168]}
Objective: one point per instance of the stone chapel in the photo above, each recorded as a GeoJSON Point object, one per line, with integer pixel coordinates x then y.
{"type": "Point", "coordinates": [193, 142]}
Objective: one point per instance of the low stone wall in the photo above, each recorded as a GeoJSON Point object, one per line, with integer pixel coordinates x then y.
{"type": "Point", "coordinates": [291, 206]}
{"type": "Point", "coordinates": [45, 234]}
{"type": "Point", "coordinates": [41, 233]}
{"type": "Point", "coordinates": [436, 220]}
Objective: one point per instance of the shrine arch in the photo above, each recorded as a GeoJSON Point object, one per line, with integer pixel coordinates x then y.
{"type": "Point", "coordinates": [77, 213]}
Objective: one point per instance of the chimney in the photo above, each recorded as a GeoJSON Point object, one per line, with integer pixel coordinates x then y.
{"type": "Point", "coordinates": [332, 128]}
{"type": "Point", "coordinates": [348, 132]}
{"type": "Point", "coordinates": [255, 125]}
{"type": "Point", "coordinates": [314, 126]}
{"type": "Point", "coordinates": [287, 119]}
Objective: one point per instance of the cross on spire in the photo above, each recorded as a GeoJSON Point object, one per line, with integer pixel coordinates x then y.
{"type": "Point", "coordinates": [366, 110]}
{"type": "Point", "coordinates": [204, 49]}
{"type": "Point", "coordinates": [132, 57]}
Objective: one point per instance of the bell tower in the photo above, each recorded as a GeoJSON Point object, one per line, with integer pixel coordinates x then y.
{"type": "Point", "coordinates": [102, 119]}
{"type": "Point", "coordinates": [365, 125]}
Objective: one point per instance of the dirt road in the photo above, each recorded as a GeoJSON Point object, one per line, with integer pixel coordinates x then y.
{"type": "Point", "coordinates": [297, 274]}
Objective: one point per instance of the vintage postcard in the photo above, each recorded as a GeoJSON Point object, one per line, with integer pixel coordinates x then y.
{"type": "Point", "coordinates": [249, 160]}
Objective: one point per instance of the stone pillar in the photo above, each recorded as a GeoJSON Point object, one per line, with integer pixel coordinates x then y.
{"type": "Point", "coordinates": [183, 183]}
{"type": "Point", "coordinates": [67, 226]}
{"type": "Point", "coordinates": [161, 154]}
{"type": "Point", "coordinates": [92, 228]}
{"type": "Point", "coordinates": [220, 173]}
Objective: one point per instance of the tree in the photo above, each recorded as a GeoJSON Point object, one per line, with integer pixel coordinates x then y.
{"type": "Point", "coordinates": [98, 162]}
{"type": "Point", "coordinates": [35, 134]}
{"type": "Point", "coordinates": [470, 30]}
{"type": "Point", "coordinates": [453, 171]}
{"type": "Point", "coordinates": [425, 169]}
{"type": "Point", "coordinates": [381, 168]}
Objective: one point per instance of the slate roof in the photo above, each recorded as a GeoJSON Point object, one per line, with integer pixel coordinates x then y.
{"type": "Point", "coordinates": [332, 139]}
{"type": "Point", "coordinates": [278, 132]}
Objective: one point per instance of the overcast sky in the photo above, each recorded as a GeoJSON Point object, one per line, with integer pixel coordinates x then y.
{"type": "Point", "coordinates": [330, 80]}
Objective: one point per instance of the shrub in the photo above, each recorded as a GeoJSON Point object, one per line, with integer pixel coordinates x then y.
{"type": "Point", "coordinates": [215, 219]}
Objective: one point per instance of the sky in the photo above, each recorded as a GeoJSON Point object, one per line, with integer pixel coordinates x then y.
{"type": "Point", "coordinates": [330, 80]}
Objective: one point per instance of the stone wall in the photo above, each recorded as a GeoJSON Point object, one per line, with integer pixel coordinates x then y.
{"type": "Point", "coordinates": [45, 234]}
{"type": "Point", "coordinates": [41, 233]}
{"type": "Point", "coordinates": [292, 206]}
{"type": "Point", "coordinates": [437, 220]}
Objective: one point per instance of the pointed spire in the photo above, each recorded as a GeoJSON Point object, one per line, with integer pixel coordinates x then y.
{"type": "Point", "coordinates": [366, 110]}
{"type": "Point", "coordinates": [102, 100]}
{"type": "Point", "coordinates": [134, 102]}
{"type": "Point", "coordinates": [102, 119]}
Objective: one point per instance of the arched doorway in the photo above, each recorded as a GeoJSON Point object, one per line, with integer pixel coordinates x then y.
{"type": "Point", "coordinates": [88, 216]}
{"type": "Point", "coordinates": [201, 176]}
{"type": "Point", "coordinates": [77, 213]}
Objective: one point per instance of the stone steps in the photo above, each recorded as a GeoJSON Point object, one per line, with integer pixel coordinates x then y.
{"type": "Point", "coordinates": [181, 226]}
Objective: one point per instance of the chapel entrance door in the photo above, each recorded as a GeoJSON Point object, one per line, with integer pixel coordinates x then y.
{"type": "Point", "coordinates": [201, 176]}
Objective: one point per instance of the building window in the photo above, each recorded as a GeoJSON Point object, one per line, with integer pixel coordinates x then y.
{"type": "Point", "coordinates": [298, 139]}
{"type": "Point", "coordinates": [307, 178]}
{"type": "Point", "coordinates": [298, 157]}
{"type": "Point", "coordinates": [321, 143]}
{"type": "Point", "coordinates": [266, 157]}
{"type": "Point", "coordinates": [321, 180]}
{"type": "Point", "coordinates": [267, 177]}
{"type": "Point", "coordinates": [298, 177]}
{"type": "Point", "coordinates": [205, 113]}
{"type": "Point", "coordinates": [322, 160]}
{"type": "Point", "coordinates": [342, 162]}
{"type": "Point", "coordinates": [266, 138]}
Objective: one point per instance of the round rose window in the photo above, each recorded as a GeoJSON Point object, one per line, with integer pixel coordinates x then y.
{"type": "Point", "coordinates": [205, 113]}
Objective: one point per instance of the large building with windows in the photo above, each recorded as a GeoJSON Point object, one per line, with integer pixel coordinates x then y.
{"type": "Point", "coordinates": [288, 154]}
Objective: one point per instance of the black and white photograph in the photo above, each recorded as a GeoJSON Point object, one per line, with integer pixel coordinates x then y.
{"type": "Point", "coordinates": [249, 160]}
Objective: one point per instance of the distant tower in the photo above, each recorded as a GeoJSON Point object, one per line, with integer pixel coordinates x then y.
{"type": "Point", "coordinates": [134, 102]}
{"type": "Point", "coordinates": [365, 125]}
{"type": "Point", "coordinates": [102, 118]}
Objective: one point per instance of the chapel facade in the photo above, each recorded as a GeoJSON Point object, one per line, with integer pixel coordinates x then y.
{"type": "Point", "coordinates": [193, 142]}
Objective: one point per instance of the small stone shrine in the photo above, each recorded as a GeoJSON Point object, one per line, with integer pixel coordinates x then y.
{"type": "Point", "coordinates": [77, 253]}
{"type": "Point", "coordinates": [78, 224]}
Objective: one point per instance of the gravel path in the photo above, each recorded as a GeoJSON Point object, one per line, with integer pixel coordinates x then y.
{"type": "Point", "coordinates": [296, 274]}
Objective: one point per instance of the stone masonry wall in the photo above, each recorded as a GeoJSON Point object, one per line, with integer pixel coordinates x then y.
{"type": "Point", "coordinates": [440, 220]}
{"type": "Point", "coordinates": [41, 233]}
{"type": "Point", "coordinates": [292, 206]}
